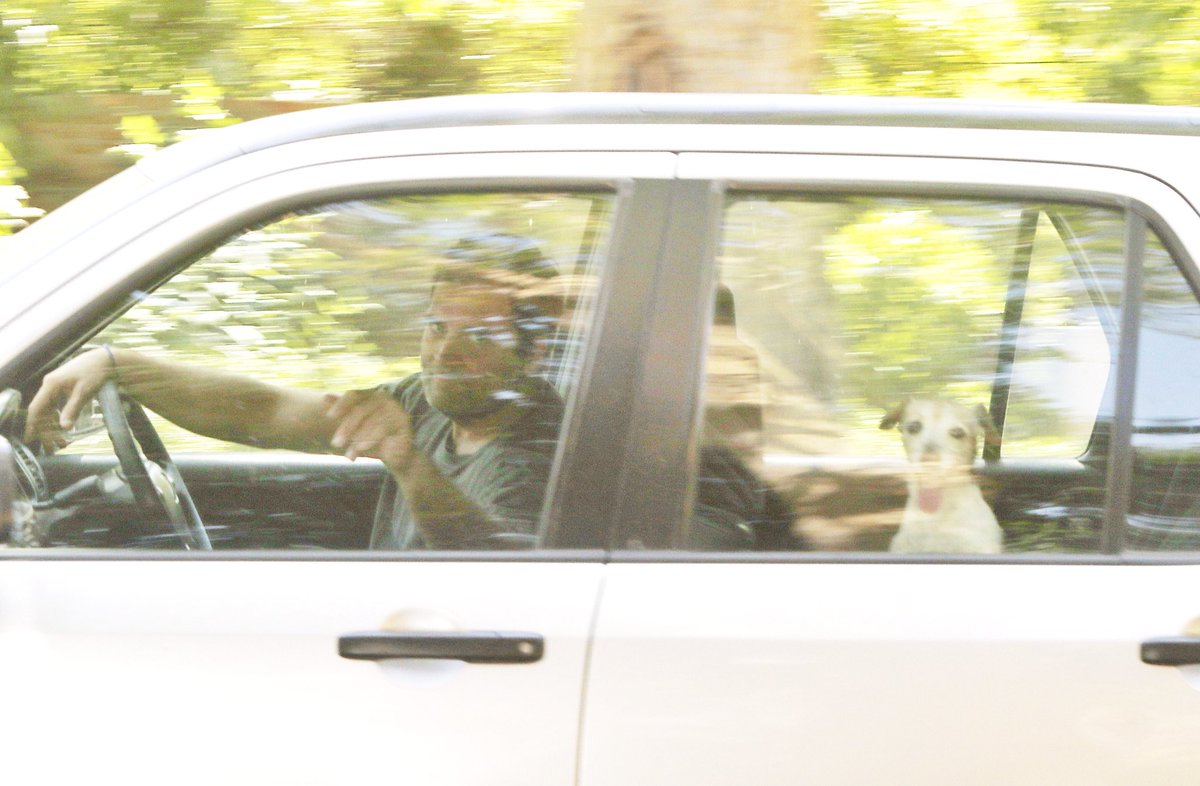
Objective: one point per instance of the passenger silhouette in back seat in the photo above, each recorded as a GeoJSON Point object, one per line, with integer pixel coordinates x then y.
{"type": "Point", "coordinates": [735, 508]}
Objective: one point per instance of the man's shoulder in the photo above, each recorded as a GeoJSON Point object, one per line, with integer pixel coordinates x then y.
{"type": "Point", "coordinates": [408, 392]}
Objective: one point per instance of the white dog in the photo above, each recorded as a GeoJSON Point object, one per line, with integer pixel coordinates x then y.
{"type": "Point", "coordinates": [945, 511]}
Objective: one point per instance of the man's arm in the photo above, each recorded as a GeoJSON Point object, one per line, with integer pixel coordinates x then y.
{"type": "Point", "coordinates": [372, 423]}
{"type": "Point", "coordinates": [242, 409]}
{"type": "Point", "coordinates": [447, 518]}
{"type": "Point", "coordinates": [206, 401]}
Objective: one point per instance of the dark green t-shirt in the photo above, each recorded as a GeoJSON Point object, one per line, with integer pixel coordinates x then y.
{"type": "Point", "coordinates": [506, 478]}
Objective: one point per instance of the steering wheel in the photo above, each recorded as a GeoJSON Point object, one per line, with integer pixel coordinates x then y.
{"type": "Point", "coordinates": [157, 486]}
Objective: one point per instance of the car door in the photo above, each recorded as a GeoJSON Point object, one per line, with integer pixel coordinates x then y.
{"type": "Point", "coordinates": [126, 656]}
{"type": "Point", "coordinates": [840, 286]}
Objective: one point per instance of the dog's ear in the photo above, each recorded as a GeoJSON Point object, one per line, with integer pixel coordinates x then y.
{"type": "Point", "coordinates": [991, 435]}
{"type": "Point", "coordinates": [893, 415]}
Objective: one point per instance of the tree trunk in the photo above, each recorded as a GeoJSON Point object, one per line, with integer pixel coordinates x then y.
{"type": "Point", "coordinates": [740, 46]}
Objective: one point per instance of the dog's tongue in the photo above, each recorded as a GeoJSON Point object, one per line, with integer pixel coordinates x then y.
{"type": "Point", "coordinates": [929, 499]}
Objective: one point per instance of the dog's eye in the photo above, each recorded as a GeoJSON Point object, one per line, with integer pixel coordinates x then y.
{"type": "Point", "coordinates": [957, 432]}
{"type": "Point", "coordinates": [913, 428]}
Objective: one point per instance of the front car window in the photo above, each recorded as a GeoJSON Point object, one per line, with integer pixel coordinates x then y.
{"type": "Point", "coordinates": [353, 297]}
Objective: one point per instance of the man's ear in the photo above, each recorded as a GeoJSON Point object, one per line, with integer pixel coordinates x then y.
{"type": "Point", "coordinates": [532, 352]}
{"type": "Point", "coordinates": [539, 327]}
{"type": "Point", "coordinates": [893, 415]}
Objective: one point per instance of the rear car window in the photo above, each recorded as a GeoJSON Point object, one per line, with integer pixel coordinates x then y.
{"type": "Point", "coordinates": [1164, 509]}
{"type": "Point", "coordinates": [848, 329]}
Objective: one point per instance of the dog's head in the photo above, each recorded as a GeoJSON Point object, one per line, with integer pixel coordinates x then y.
{"type": "Point", "coordinates": [939, 431]}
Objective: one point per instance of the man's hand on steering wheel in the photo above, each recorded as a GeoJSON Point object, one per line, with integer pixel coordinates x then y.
{"type": "Point", "coordinates": [144, 462]}
{"type": "Point", "coordinates": [73, 384]}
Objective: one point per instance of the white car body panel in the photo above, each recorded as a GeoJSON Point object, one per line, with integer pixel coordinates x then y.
{"type": "Point", "coordinates": [228, 672]}
{"type": "Point", "coordinates": [889, 673]}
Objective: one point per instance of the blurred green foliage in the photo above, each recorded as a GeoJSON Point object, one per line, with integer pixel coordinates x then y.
{"type": "Point", "coordinates": [201, 56]}
{"type": "Point", "coordinates": [197, 58]}
{"type": "Point", "coordinates": [14, 210]}
{"type": "Point", "coordinates": [315, 49]}
{"type": "Point", "coordinates": [1139, 51]}
{"type": "Point", "coordinates": [1136, 51]}
{"type": "Point", "coordinates": [893, 262]}
{"type": "Point", "coordinates": [860, 302]}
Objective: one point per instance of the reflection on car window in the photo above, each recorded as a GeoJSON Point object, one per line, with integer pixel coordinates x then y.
{"type": "Point", "coordinates": [1061, 353]}
{"type": "Point", "coordinates": [1164, 510]}
{"type": "Point", "coordinates": [314, 332]}
{"type": "Point", "coordinates": [874, 350]}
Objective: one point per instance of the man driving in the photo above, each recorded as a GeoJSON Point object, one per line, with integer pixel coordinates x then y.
{"type": "Point", "coordinates": [467, 442]}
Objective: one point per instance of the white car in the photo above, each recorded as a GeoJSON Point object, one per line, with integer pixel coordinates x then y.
{"type": "Point", "coordinates": [713, 591]}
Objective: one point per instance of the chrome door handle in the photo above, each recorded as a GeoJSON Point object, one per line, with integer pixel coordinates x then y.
{"type": "Point", "coordinates": [472, 646]}
{"type": "Point", "coordinates": [1171, 651]}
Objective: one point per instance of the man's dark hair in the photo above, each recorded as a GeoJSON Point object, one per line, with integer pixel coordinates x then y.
{"type": "Point", "coordinates": [517, 266]}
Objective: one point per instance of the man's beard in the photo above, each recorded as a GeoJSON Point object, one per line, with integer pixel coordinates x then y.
{"type": "Point", "coordinates": [462, 401]}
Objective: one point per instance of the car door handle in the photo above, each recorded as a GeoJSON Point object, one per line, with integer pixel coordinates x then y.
{"type": "Point", "coordinates": [472, 646]}
{"type": "Point", "coordinates": [1171, 651]}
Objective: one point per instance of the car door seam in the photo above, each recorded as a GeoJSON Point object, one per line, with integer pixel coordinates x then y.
{"type": "Point", "coordinates": [585, 682]}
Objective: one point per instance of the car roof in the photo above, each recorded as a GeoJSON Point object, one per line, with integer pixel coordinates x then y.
{"type": "Point", "coordinates": [665, 108]}
{"type": "Point", "coordinates": [548, 110]}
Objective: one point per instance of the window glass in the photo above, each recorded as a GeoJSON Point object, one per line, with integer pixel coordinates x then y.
{"type": "Point", "coordinates": [1164, 510]}
{"type": "Point", "coordinates": [467, 313]}
{"type": "Point", "coordinates": [863, 351]}
{"type": "Point", "coordinates": [1062, 355]}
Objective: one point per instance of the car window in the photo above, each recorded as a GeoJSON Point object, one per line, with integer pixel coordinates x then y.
{"type": "Point", "coordinates": [1164, 512]}
{"type": "Point", "coordinates": [340, 297]}
{"type": "Point", "coordinates": [1061, 354]}
{"type": "Point", "coordinates": [880, 363]}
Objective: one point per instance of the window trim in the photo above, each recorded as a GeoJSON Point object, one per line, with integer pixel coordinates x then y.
{"type": "Point", "coordinates": [654, 497]}
{"type": "Point", "coordinates": [1119, 484]}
